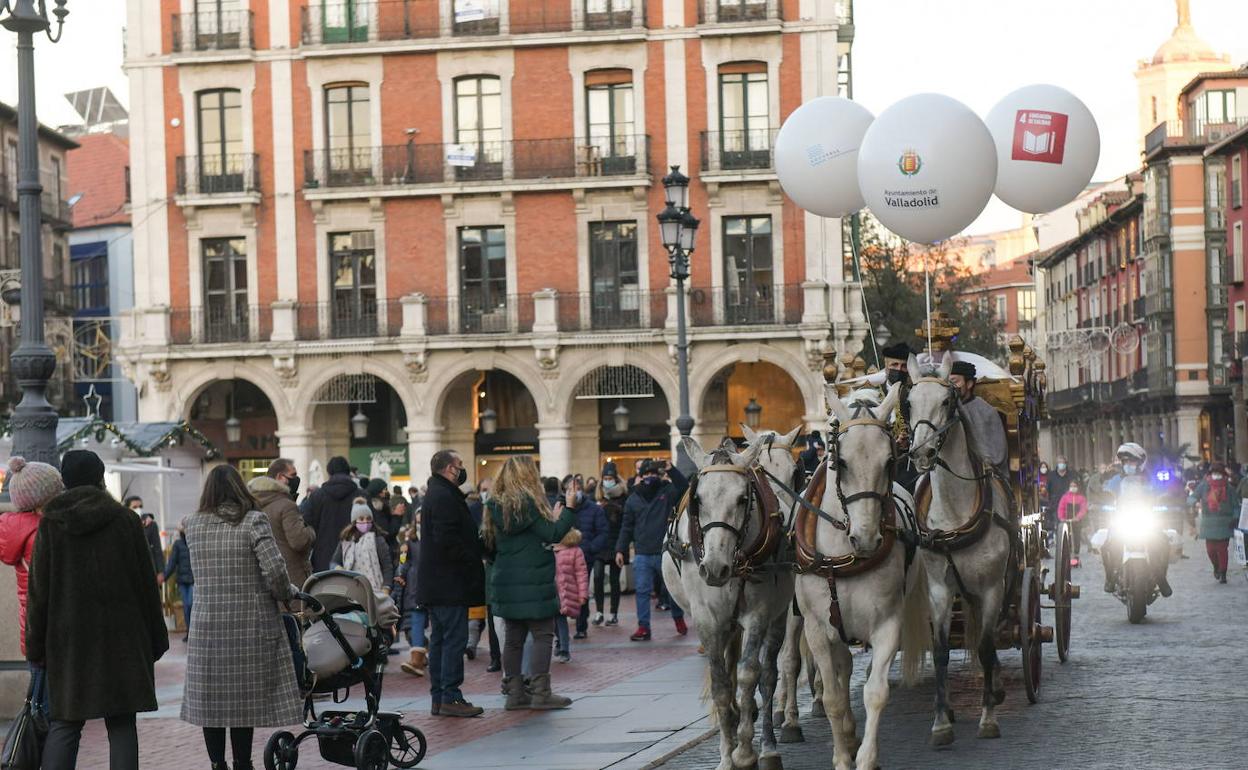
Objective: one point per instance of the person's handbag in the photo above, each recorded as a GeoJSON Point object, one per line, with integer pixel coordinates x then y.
{"type": "Point", "coordinates": [23, 746]}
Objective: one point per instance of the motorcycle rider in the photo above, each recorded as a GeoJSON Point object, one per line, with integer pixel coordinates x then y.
{"type": "Point", "coordinates": [1132, 485]}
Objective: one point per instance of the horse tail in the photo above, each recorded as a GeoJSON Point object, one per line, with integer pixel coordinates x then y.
{"type": "Point", "coordinates": [916, 628]}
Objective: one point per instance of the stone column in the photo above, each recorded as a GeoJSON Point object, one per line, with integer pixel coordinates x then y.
{"type": "Point", "coordinates": [298, 444]}
{"type": "Point", "coordinates": [1187, 428]}
{"type": "Point", "coordinates": [422, 442]}
{"type": "Point", "coordinates": [554, 444]}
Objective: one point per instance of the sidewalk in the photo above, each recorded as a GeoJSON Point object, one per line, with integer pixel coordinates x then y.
{"type": "Point", "coordinates": [634, 704]}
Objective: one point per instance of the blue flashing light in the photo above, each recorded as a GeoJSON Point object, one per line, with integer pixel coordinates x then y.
{"type": "Point", "coordinates": [1163, 475]}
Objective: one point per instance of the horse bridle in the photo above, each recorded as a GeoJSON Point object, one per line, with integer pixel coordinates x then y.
{"type": "Point", "coordinates": [837, 429]}
{"type": "Point", "coordinates": [953, 416]}
{"type": "Point", "coordinates": [754, 497]}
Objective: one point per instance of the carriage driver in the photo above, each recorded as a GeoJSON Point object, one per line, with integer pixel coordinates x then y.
{"type": "Point", "coordinates": [987, 430]}
{"type": "Point", "coordinates": [896, 370]}
{"type": "Point", "coordinates": [1132, 486]}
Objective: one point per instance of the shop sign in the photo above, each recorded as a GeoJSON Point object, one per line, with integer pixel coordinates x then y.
{"type": "Point", "coordinates": [370, 460]}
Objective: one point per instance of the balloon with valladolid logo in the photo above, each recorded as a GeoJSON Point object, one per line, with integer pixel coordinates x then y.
{"type": "Point", "coordinates": [817, 155]}
{"type": "Point", "coordinates": [927, 167]}
{"type": "Point", "coordinates": [1047, 147]}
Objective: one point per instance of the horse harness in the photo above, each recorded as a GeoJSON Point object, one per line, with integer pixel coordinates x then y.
{"type": "Point", "coordinates": [808, 558]}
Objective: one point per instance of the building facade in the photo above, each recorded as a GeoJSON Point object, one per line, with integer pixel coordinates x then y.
{"type": "Point", "coordinates": [56, 215]}
{"type": "Point", "coordinates": [1008, 291]}
{"type": "Point", "coordinates": [381, 228]}
{"type": "Point", "coordinates": [1232, 152]}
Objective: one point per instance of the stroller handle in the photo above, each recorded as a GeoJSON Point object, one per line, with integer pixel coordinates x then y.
{"type": "Point", "coordinates": [311, 602]}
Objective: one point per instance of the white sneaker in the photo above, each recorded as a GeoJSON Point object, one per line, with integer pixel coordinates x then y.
{"type": "Point", "coordinates": [598, 619]}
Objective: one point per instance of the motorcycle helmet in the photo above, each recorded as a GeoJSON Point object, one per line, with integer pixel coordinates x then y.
{"type": "Point", "coordinates": [1132, 452]}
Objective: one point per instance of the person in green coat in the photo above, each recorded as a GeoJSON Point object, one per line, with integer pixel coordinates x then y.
{"type": "Point", "coordinates": [1219, 504]}
{"type": "Point", "coordinates": [519, 528]}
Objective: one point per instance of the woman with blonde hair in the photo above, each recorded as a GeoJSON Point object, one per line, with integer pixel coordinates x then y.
{"type": "Point", "coordinates": [519, 528]}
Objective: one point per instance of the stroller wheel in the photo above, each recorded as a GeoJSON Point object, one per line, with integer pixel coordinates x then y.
{"type": "Point", "coordinates": [372, 751]}
{"type": "Point", "coordinates": [281, 752]}
{"type": "Point", "coordinates": [407, 747]}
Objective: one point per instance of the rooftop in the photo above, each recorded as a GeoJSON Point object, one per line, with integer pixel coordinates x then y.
{"type": "Point", "coordinates": [97, 172]}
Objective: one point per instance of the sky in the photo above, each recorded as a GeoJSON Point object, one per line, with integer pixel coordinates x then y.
{"type": "Point", "coordinates": [973, 50]}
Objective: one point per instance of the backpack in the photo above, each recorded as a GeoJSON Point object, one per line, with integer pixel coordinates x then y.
{"type": "Point", "coordinates": [1215, 498]}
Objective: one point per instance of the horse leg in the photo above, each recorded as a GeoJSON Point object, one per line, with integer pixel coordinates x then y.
{"type": "Point", "coordinates": [942, 618]}
{"type": "Point", "coordinates": [791, 655]}
{"type": "Point", "coordinates": [884, 645]}
{"type": "Point", "coordinates": [724, 710]}
{"type": "Point", "coordinates": [843, 665]}
{"type": "Point", "coordinates": [835, 702]}
{"type": "Point", "coordinates": [994, 691]}
{"type": "Point", "coordinates": [815, 680]}
{"type": "Point", "coordinates": [769, 754]}
{"type": "Point", "coordinates": [748, 672]}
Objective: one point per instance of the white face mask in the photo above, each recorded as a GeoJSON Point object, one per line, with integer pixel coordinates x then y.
{"type": "Point", "coordinates": [1216, 476]}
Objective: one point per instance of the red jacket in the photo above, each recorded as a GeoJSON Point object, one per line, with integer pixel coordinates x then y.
{"type": "Point", "coordinates": [571, 580]}
{"type": "Point", "coordinates": [1072, 507]}
{"type": "Point", "coordinates": [17, 544]}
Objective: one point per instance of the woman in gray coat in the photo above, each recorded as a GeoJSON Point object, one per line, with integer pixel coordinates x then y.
{"type": "Point", "coordinates": [239, 673]}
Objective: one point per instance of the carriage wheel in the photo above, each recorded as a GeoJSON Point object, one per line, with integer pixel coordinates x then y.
{"type": "Point", "coordinates": [1062, 593]}
{"type": "Point", "coordinates": [372, 751]}
{"type": "Point", "coordinates": [1029, 633]}
{"type": "Point", "coordinates": [407, 747]}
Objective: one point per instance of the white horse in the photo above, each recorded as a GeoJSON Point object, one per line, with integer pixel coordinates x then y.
{"type": "Point", "coordinates": [857, 544]}
{"type": "Point", "coordinates": [739, 617]}
{"type": "Point", "coordinates": [976, 568]}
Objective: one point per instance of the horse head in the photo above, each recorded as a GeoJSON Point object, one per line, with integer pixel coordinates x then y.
{"type": "Point", "coordinates": [860, 459]}
{"type": "Point", "coordinates": [722, 494]}
{"type": "Point", "coordinates": [776, 457]}
{"type": "Point", "coordinates": [933, 405]}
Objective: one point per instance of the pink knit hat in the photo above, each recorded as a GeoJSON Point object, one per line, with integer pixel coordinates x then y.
{"type": "Point", "coordinates": [32, 485]}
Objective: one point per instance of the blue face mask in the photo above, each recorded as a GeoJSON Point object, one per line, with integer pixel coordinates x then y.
{"type": "Point", "coordinates": [1129, 468]}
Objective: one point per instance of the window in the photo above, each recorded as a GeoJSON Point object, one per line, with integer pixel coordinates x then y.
{"type": "Point", "coordinates": [225, 290]}
{"type": "Point", "coordinates": [1237, 253]}
{"type": "Point", "coordinates": [613, 274]}
{"type": "Point", "coordinates": [344, 21]}
{"type": "Point", "coordinates": [1213, 107]}
{"type": "Point", "coordinates": [1002, 309]}
{"type": "Point", "coordinates": [1237, 180]}
{"type": "Point", "coordinates": [218, 24]}
{"type": "Point", "coordinates": [483, 279]}
{"type": "Point", "coordinates": [55, 179]}
{"type": "Point", "coordinates": [1241, 318]}
{"type": "Point", "coordinates": [347, 134]}
{"type": "Point", "coordinates": [1153, 102]}
{"type": "Point", "coordinates": [479, 128]}
{"type": "Point", "coordinates": [476, 17]}
{"type": "Point", "coordinates": [744, 122]}
{"type": "Point", "coordinates": [748, 275]}
{"type": "Point", "coordinates": [742, 10]}
{"type": "Point", "coordinates": [220, 138]}
{"type": "Point", "coordinates": [608, 14]}
{"type": "Point", "coordinates": [609, 114]}
{"type": "Point", "coordinates": [353, 270]}
{"type": "Point", "coordinates": [89, 282]}
{"type": "Point", "coordinates": [1026, 306]}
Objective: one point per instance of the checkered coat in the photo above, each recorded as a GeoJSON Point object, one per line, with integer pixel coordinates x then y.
{"type": "Point", "coordinates": [239, 671]}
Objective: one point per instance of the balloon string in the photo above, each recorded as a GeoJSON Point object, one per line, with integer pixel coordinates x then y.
{"type": "Point", "coordinates": [862, 291]}
{"type": "Point", "coordinates": [927, 290]}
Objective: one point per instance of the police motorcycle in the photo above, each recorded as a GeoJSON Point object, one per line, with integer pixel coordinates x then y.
{"type": "Point", "coordinates": [1136, 546]}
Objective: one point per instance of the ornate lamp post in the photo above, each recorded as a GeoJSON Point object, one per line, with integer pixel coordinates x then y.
{"type": "Point", "coordinates": [678, 229]}
{"type": "Point", "coordinates": [34, 419]}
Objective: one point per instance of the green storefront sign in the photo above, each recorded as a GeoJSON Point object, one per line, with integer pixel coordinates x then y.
{"type": "Point", "coordinates": [363, 458]}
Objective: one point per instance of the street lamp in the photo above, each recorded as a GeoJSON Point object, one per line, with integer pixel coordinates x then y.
{"type": "Point", "coordinates": [233, 430]}
{"type": "Point", "coordinates": [33, 362]}
{"type": "Point", "coordinates": [359, 423]}
{"type": "Point", "coordinates": [489, 421]}
{"type": "Point", "coordinates": [753, 414]}
{"type": "Point", "coordinates": [678, 228]}
{"type": "Point", "coordinates": [620, 415]}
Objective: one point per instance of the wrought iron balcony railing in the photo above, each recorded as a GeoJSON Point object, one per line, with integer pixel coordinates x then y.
{"type": "Point", "coordinates": [213, 31]}
{"type": "Point", "coordinates": [730, 151]}
{"type": "Point", "coordinates": [629, 308]}
{"type": "Point", "coordinates": [217, 174]}
{"type": "Point", "coordinates": [216, 323]}
{"type": "Point", "coordinates": [348, 319]}
{"type": "Point", "coordinates": [758, 305]}
{"type": "Point", "coordinates": [507, 314]}
{"type": "Point", "coordinates": [737, 11]}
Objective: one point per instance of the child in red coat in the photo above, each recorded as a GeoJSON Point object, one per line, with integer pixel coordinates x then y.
{"type": "Point", "coordinates": [31, 486]}
{"type": "Point", "coordinates": [1073, 507]}
{"type": "Point", "coordinates": [572, 582]}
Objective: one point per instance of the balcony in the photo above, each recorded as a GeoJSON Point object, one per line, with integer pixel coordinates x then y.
{"type": "Point", "coordinates": [727, 152]}
{"type": "Point", "coordinates": [442, 165]}
{"type": "Point", "coordinates": [1193, 133]}
{"type": "Point", "coordinates": [219, 175]}
{"type": "Point", "coordinates": [611, 311]}
{"type": "Point", "coordinates": [739, 11]}
{"type": "Point", "coordinates": [347, 23]}
{"type": "Point", "coordinates": [1161, 301]}
{"type": "Point", "coordinates": [218, 324]}
{"type": "Point", "coordinates": [509, 314]}
{"type": "Point", "coordinates": [1137, 309]}
{"type": "Point", "coordinates": [763, 305]}
{"type": "Point", "coordinates": [340, 320]}
{"type": "Point", "coordinates": [212, 31]}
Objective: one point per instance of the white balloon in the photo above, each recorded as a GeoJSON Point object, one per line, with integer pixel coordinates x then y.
{"type": "Point", "coordinates": [927, 167]}
{"type": "Point", "coordinates": [817, 155]}
{"type": "Point", "coordinates": [1047, 147]}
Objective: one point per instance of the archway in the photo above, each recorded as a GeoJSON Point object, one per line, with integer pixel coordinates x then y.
{"type": "Point", "coordinates": [618, 414]}
{"type": "Point", "coordinates": [361, 417]}
{"type": "Point", "coordinates": [757, 393]}
{"type": "Point", "coordinates": [488, 416]}
{"type": "Point", "coordinates": [238, 418]}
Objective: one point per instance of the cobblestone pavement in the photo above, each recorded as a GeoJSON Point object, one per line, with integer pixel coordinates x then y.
{"type": "Point", "coordinates": [1170, 693]}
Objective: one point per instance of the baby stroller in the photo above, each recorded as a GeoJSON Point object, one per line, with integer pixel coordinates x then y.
{"type": "Point", "coordinates": [341, 639]}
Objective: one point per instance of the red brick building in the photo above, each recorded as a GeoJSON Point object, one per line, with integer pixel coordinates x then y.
{"type": "Point", "coordinates": [437, 217]}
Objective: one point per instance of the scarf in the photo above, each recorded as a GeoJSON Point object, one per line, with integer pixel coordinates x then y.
{"type": "Point", "coordinates": [361, 556]}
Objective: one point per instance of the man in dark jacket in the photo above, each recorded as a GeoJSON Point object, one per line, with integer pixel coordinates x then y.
{"type": "Point", "coordinates": [275, 493]}
{"type": "Point", "coordinates": [329, 511]}
{"type": "Point", "coordinates": [450, 579]}
{"type": "Point", "coordinates": [94, 620]}
{"type": "Point", "coordinates": [646, 514]}
{"type": "Point", "coordinates": [591, 520]}
{"type": "Point", "coordinates": [384, 520]}
{"type": "Point", "coordinates": [151, 532]}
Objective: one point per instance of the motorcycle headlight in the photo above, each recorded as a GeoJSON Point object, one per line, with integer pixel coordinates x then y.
{"type": "Point", "coordinates": [1135, 520]}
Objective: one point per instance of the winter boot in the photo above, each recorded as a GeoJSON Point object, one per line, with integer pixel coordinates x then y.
{"type": "Point", "coordinates": [541, 698]}
{"type": "Point", "coordinates": [517, 694]}
{"type": "Point", "coordinates": [244, 765]}
{"type": "Point", "coordinates": [415, 665]}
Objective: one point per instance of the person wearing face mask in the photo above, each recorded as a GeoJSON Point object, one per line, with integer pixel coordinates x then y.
{"type": "Point", "coordinates": [275, 492]}
{"type": "Point", "coordinates": [646, 513]}
{"type": "Point", "coordinates": [611, 494]}
{"type": "Point", "coordinates": [450, 579]}
{"type": "Point", "coordinates": [591, 520]}
{"type": "Point", "coordinates": [1219, 508]}
{"type": "Point", "coordinates": [362, 549]}
{"type": "Point", "coordinates": [1057, 483]}
{"type": "Point", "coordinates": [329, 510]}
{"type": "Point", "coordinates": [1130, 488]}
{"type": "Point", "coordinates": [897, 370]}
